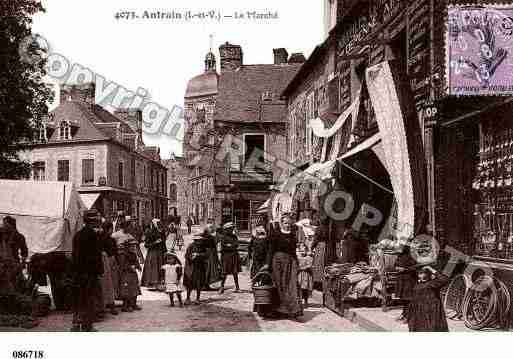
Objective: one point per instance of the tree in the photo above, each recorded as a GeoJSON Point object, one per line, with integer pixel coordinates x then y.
{"type": "Point", "coordinates": [23, 94]}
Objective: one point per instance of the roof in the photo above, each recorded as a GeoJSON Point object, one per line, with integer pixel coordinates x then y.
{"type": "Point", "coordinates": [306, 68]}
{"type": "Point", "coordinates": [93, 123]}
{"type": "Point", "coordinates": [202, 85]}
{"type": "Point", "coordinates": [240, 93]}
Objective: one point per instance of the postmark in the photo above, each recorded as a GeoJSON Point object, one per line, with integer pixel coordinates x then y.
{"type": "Point", "coordinates": [479, 45]}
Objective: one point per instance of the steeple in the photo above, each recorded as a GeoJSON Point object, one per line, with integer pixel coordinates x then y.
{"type": "Point", "coordinates": [210, 59]}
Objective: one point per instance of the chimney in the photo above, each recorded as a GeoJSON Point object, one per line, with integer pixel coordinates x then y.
{"type": "Point", "coordinates": [231, 57]}
{"type": "Point", "coordinates": [83, 93]}
{"type": "Point", "coordinates": [280, 56]}
{"type": "Point", "coordinates": [132, 117]}
{"type": "Point", "coordinates": [297, 58]}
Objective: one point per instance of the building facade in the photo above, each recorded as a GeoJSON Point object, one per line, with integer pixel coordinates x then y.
{"type": "Point", "coordinates": [200, 100]}
{"type": "Point", "coordinates": [178, 180]}
{"type": "Point", "coordinates": [459, 179]}
{"type": "Point", "coordinates": [102, 154]}
{"type": "Point", "coordinates": [250, 124]}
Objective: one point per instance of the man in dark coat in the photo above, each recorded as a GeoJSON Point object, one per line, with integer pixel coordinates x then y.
{"type": "Point", "coordinates": [87, 266]}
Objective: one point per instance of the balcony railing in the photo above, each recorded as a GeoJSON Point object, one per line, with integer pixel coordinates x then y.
{"type": "Point", "coordinates": [251, 175]}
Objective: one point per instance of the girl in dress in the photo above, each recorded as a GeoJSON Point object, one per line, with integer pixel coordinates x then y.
{"type": "Point", "coordinates": [426, 312]}
{"type": "Point", "coordinates": [173, 276]}
{"type": "Point", "coordinates": [305, 274]}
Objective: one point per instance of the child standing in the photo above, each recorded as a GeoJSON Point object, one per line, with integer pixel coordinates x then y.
{"type": "Point", "coordinates": [426, 312]}
{"type": "Point", "coordinates": [195, 268]}
{"type": "Point", "coordinates": [172, 277]}
{"type": "Point", "coordinates": [305, 274]}
{"type": "Point", "coordinates": [128, 267]}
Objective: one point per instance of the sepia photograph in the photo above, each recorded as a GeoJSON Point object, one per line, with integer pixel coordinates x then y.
{"type": "Point", "coordinates": [258, 166]}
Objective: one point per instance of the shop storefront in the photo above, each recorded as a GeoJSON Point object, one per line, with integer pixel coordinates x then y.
{"type": "Point", "coordinates": [474, 165]}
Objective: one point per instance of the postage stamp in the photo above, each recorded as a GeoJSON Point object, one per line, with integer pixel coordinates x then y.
{"type": "Point", "coordinates": [479, 43]}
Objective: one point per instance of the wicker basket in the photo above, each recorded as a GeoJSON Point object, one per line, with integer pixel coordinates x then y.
{"type": "Point", "coordinates": [262, 294]}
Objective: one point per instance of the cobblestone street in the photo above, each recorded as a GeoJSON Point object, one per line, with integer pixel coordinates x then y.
{"type": "Point", "coordinates": [227, 312]}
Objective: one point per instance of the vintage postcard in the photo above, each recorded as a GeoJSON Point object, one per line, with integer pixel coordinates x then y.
{"type": "Point", "coordinates": [258, 166]}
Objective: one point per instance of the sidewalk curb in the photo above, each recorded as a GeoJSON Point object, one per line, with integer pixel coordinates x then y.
{"type": "Point", "coordinates": [363, 322]}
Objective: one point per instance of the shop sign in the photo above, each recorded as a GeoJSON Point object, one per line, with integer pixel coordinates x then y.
{"type": "Point", "coordinates": [383, 10]}
{"type": "Point", "coordinates": [354, 33]}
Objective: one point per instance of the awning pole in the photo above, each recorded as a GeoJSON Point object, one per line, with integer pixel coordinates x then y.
{"type": "Point", "coordinates": [366, 177]}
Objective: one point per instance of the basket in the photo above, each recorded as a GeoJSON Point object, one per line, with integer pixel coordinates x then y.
{"type": "Point", "coordinates": [262, 294]}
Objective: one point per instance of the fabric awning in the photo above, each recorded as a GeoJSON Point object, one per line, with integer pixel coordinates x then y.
{"type": "Point", "coordinates": [89, 199]}
{"type": "Point", "coordinates": [401, 141]}
{"type": "Point", "coordinates": [373, 143]}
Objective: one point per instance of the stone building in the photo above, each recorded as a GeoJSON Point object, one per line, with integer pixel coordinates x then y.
{"type": "Point", "coordinates": [250, 125]}
{"type": "Point", "coordinates": [439, 159]}
{"type": "Point", "coordinates": [200, 100]}
{"type": "Point", "coordinates": [335, 131]}
{"type": "Point", "coordinates": [177, 178]}
{"type": "Point", "coordinates": [103, 154]}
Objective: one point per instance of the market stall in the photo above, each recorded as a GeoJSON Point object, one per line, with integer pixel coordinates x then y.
{"type": "Point", "coordinates": [47, 214]}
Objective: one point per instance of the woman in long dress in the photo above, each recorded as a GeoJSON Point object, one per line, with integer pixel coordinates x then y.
{"type": "Point", "coordinates": [213, 269]}
{"type": "Point", "coordinates": [282, 259]}
{"type": "Point", "coordinates": [155, 242]}
{"type": "Point", "coordinates": [109, 250]}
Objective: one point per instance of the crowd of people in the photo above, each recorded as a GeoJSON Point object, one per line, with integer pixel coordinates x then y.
{"type": "Point", "coordinates": [107, 262]}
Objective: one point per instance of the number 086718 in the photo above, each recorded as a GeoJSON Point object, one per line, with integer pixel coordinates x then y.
{"type": "Point", "coordinates": [28, 354]}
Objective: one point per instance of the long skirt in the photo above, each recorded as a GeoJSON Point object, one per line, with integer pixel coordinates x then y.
{"type": "Point", "coordinates": [319, 262]}
{"type": "Point", "coordinates": [213, 267]}
{"type": "Point", "coordinates": [152, 275]}
{"type": "Point", "coordinates": [231, 263]}
{"type": "Point", "coordinates": [114, 272]}
{"type": "Point", "coordinates": [129, 285]}
{"type": "Point", "coordinates": [285, 277]}
{"type": "Point", "coordinates": [106, 281]}
{"type": "Point", "coordinates": [194, 278]}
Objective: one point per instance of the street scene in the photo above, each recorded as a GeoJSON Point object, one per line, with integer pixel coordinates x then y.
{"type": "Point", "coordinates": [358, 183]}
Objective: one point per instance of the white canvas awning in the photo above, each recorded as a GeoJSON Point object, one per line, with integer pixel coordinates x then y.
{"type": "Point", "coordinates": [401, 142]}
{"type": "Point", "coordinates": [47, 213]}
{"type": "Point", "coordinates": [89, 199]}
{"type": "Point", "coordinates": [372, 143]}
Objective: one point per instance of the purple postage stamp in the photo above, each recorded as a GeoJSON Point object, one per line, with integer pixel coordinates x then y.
{"type": "Point", "coordinates": [479, 50]}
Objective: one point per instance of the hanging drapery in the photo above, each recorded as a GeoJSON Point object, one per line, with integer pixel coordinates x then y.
{"type": "Point", "coordinates": [398, 124]}
{"type": "Point", "coordinates": [317, 124]}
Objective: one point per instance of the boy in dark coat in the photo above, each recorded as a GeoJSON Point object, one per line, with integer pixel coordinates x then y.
{"type": "Point", "coordinates": [230, 257]}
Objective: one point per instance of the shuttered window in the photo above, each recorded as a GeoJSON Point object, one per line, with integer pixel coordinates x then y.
{"type": "Point", "coordinates": [88, 171]}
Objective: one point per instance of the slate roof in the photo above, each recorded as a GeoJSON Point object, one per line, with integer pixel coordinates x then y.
{"type": "Point", "coordinates": [240, 92]}
{"type": "Point", "coordinates": [93, 123]}
{"type": "Point", "coordinates": [202, 85]}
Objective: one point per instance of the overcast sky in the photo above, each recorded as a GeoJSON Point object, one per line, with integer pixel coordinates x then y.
{"type": "Point", "coordinates": [162, 55]}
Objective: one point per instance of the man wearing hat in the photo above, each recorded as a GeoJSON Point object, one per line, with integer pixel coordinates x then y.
{"type": "Point", "coordinates": [230, 257]}
{"type": "Point", "coordinates": [87, 267]}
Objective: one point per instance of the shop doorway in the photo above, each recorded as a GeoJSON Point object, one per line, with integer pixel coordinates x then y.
{"type": "Point", "coordinates": [241, 210]}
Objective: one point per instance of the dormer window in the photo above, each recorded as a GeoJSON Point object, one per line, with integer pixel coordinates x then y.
{"type": "Point", "coordinates": [65, 130]}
